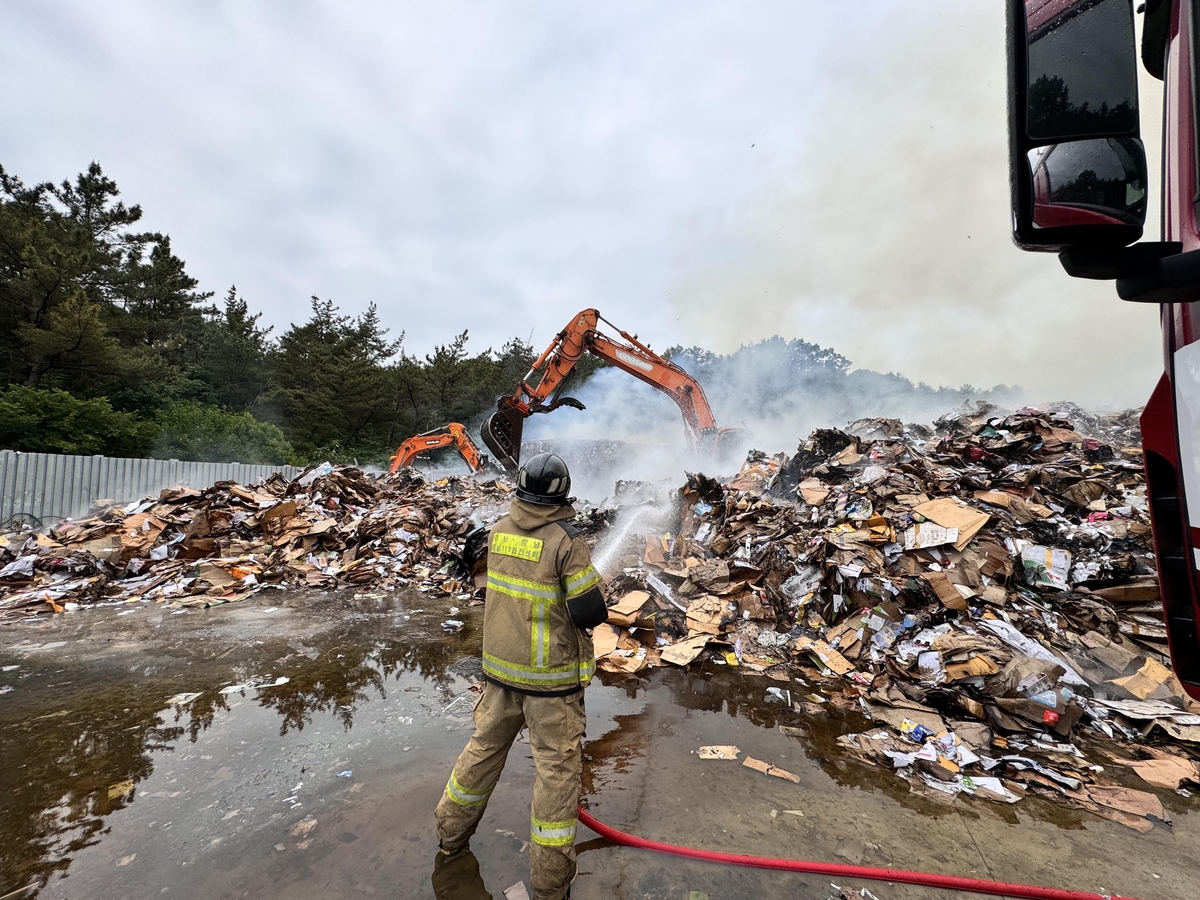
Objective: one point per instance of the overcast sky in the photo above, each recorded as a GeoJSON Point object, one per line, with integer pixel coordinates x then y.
{"type": "Point", "coordinates": [702, 172]}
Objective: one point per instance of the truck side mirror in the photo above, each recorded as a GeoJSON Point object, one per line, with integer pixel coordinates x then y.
{"type": "Point", "coordinates": [1077, 167]}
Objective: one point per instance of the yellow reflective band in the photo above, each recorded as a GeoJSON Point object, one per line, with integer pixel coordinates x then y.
{"type": "Point", "coordinates": [461, 796]}
{"type": "Point", "coordinates": [517, 545]}
{"type": "Point", "coordinates": [582, 582]}
{"type": "Point", "coordinates": [523, 589]}
{"type": "Point", "coordinates": [542, 676]}
{"type": "Point", "coordinates": [539, 640]}
{"type": "Point", "coordinates": [553, 834]}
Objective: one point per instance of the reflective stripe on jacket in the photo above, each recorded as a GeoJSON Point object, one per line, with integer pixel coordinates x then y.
{"type": "Point", "coordinates": [535, 565]}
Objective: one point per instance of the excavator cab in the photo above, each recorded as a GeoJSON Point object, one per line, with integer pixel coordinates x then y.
{"type": "Point", "coordinates": [732, 443]}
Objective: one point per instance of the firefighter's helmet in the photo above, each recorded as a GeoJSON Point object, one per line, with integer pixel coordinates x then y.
{"type": "Point", "coordinates": [544, 479]}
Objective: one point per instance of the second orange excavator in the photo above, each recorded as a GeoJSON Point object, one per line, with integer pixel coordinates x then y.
{"type": "Point", "coordinates": [552, 370]}
{"type": "Point", "coordinates": [450, 435]}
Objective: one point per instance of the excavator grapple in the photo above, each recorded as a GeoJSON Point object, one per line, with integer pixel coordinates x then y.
{"type": "Point", "coordinates": [501, 432]}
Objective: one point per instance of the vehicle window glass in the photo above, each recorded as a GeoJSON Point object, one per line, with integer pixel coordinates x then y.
{"type": "Point", "coordinates": [1082, 79]}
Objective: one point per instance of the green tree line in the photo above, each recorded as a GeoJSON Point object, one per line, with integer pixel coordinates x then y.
{"type": "Point", "coordinates": [108, 346]}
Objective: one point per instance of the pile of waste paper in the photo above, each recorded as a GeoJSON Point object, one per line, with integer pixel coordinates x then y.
{"type": "Point", "coordinates": [982, 592]}
{"type": "Point", "coordinates": [331, 526]}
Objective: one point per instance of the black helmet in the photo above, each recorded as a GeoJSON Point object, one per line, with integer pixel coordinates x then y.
{"type": "Point", "coordinates": [544, 479]}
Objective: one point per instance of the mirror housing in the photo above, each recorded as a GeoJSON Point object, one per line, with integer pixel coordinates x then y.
{"type": "Point", "coordinates": [1077, 168]}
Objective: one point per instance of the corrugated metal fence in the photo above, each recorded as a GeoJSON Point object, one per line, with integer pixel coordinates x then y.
{"type": "Point", "coordinates": [45, 487]}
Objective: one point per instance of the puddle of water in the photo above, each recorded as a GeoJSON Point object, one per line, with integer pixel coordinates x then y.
{"type": "Point", "coordinates": [645, 778]}
{"type": "Point", "coordinates": [110, 791]}
{"type": "Point", "coordinates": [99, 766]}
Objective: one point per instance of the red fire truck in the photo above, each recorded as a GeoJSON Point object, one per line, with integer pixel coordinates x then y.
{"type": "Point", "coordinates": [1079, 187]}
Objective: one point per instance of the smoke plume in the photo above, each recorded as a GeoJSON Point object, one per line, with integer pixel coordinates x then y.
{"type": "Point", "coordinates": [887, 238]}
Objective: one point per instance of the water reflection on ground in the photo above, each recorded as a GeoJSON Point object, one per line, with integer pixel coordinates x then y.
{"type": "Point", "coordinates": [87, 717]}
{"type": "Point", "coordinates": [323, 784]}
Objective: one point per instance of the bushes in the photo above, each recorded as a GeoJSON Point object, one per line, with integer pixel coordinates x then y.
{"type": "Point", "coordinates": [210, 434]}
{"type": "Point", "coordinates": [52, 421]}
{"type": "Point", "coordinates": [48, 420]}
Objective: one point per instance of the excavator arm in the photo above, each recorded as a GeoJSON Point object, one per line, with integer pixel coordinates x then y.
{"type": "Point", "coordinates": [541, 388]}
{"type": "Point", "coordinates": [452, 434]}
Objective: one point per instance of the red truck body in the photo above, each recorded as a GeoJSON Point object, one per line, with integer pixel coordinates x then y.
{"type": "Point", "coordinates": [1166, 444]}
{"type": "Point", "coordinates": [1096, 39]}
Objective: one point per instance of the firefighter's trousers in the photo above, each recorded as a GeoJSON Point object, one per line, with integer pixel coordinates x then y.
{"type": "Point", "coordinates": [556, 726]}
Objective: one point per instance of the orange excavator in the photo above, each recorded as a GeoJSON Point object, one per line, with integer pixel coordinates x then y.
{"type": "Point", "coordinates": [553, 369]}
{"type": "Point", "coordinates": [450, 435]}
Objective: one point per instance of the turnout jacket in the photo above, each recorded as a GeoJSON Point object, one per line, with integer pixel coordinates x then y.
{"type": "Point", "coordinates": [542, 593]}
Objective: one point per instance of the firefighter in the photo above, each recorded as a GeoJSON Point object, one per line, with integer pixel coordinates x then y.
{"type": "Point", "coordinates": [543, 598]}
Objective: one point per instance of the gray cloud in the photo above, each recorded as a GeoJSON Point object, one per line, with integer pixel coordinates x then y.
{"type": "Point", "coordinates": [497, 166]}
{"type": "Point", "coordinates": [500, 165]}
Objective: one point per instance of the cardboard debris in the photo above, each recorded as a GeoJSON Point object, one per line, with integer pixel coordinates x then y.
{"type": "Point", "coordinates": [978, 587]}
{"type": "Point", "coordinates": [709, 615]}
{"type": "Point", "coordinates": [952, 514]}
{"type": "Point", "coordinates": [1148, 682]}
{"type": "Point", "coordinates": [828, 657]}
{"type": "Point", "coordinates": [1149, 710]}
{"type": "Point", "coordinates": [946, 590]}
{"type": "Point", "coordinates": [759, 765]}
{"type": "Point", "coordinates": [1167, 771]}
{"type": "Point", "coordinates": [334, 526]}
{"type": "Point", "coordinates": [719, 751]}
{"type": "Point", "coordinates": [812, 491]}
{"type": "Point", "coordinates": [625, 611]}
{"type": "Point", "coordinates": [996, 498]}
{"type": "Point", "coordinates": [914, 712]}
{"type": "Point", "coordinates": [685, 651]}
{"type": "Point", "coordinates": [1141, 591]}
{"type": "Point", "coordinates": [887, 564]}
{"type": "Point", "coordinates": [605, 640]}
{"type": "Point", "coordinates": [1125, 805]}
{"type": "Point", "coordinates": [925, 534]}
{"type": "Point", "coordinates": [975, 666]}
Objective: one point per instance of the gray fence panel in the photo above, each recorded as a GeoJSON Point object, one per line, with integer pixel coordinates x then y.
{"type": "Point", "coordinates": [48, 487]}
{"type": "Point", "coordinates": [8, 479]}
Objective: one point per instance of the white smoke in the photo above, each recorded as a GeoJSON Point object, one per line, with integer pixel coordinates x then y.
{"type": "Point", "coordinates": [757, 389]}
{"type": "Point", "coordinates": [888, 237]}
{"type": "Point", "coordinates": [887, 240]}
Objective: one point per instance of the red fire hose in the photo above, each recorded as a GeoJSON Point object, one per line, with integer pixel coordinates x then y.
{"type": "Point", "coordinates": [948, 882]}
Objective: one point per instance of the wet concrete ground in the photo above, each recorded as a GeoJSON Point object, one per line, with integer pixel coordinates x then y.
{"type": "Point", "coordinates": [107, 790]}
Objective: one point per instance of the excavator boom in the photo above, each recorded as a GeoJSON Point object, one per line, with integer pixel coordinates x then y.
{"type": "Point", "coordinates": [540, 390]}
{"type": "Point", "coordinates": [451, 434]}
